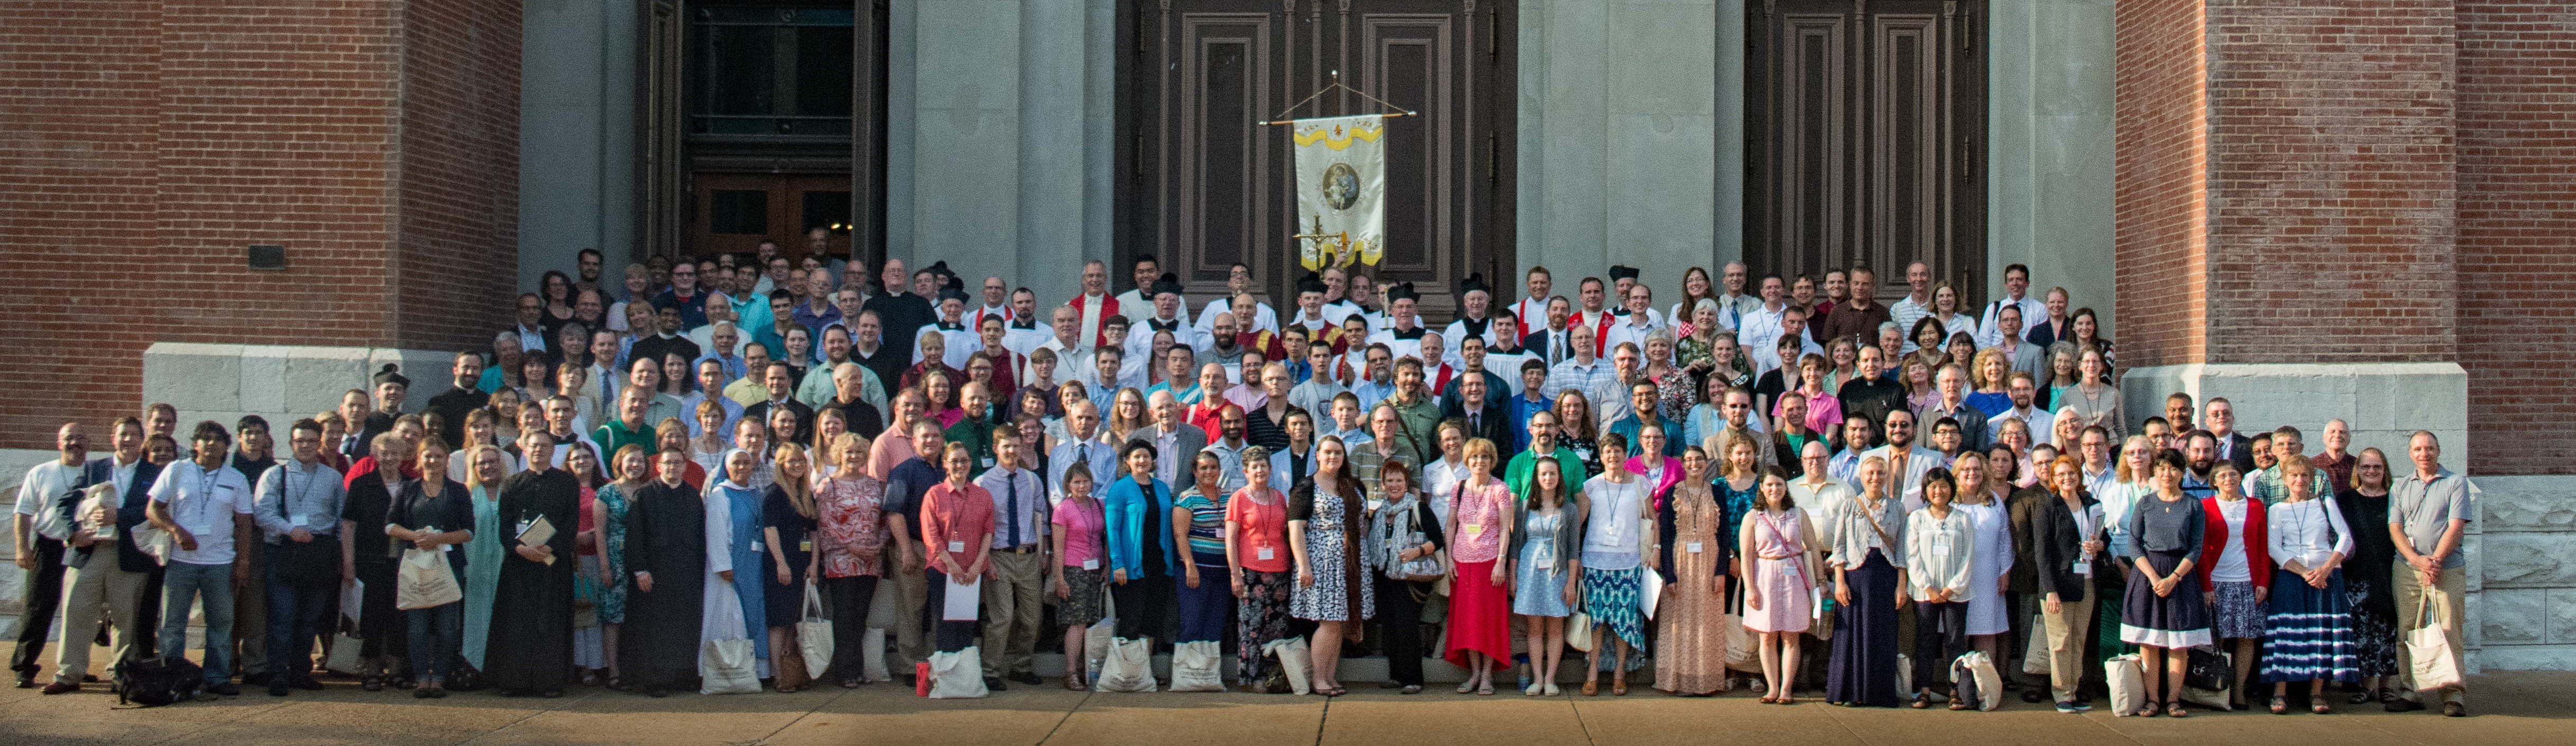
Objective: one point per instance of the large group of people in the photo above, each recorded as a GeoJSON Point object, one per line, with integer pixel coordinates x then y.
{"type": "Point", "coordinates": [736, 447]}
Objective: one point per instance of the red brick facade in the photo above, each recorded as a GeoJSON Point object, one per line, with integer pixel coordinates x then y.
{"type": "Point", "coordinates": [2517, 245]}
{"type": "Point", "coordinates": [148, 143]}
{"type": "Point", "coordinates": [2160, 188]}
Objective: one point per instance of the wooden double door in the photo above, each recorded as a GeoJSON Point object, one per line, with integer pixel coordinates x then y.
{"type": "Point", "coordinates": [1865, 125]}
{"type": "Point", "coordinates": [1204, 184]}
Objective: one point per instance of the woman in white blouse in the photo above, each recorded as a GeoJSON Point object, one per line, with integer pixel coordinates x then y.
{"type": "Point", "coordinates": [1990, 569]}
{"type": "Point", "coordinates": [1940, 549]}
{"type": "Point", "coordinates": [2309, 619]}
{"type": "Point", "coordinates": [1869, 588]}
{"type": "Point", "coordinates": [1618, 532]}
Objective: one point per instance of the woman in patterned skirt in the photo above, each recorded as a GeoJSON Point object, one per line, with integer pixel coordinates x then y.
{"type": "Point", "coordinates": [2366, 580]}
{"type": "Point", "coordinates": [2310, 621]}
{"type": "Point", "coordinates": [1325, 520]}
{"type": "Point", "coordinates": [1690, 654]}
{"type": "Point", "coordinates": [1256, 544]}
{"type": "Point", "coordinates": [2238, 575]}
{"type": "Point", "coordinates": [608, 512]}
{"type": "Point", "coordinates": [1077, 580]}
{"type": "Point", "coordinates": [1616, 536]}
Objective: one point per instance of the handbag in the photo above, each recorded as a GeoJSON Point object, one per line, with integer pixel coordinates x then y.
{"type": "Point", "coordinates": [814, 632]}
{"type": "Point", "coordinates": [1578, 631]}
{"type": "Point", "coordinates": [2209, 670]}
{"type": "Point", "coordinates": [2433, 665]}
{"type": "Point", "coordinates": [425, 581]}
{"type": "Point", "coordinates": [725, 663]}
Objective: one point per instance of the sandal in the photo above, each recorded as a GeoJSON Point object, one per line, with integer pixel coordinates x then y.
{"type": "Point", "coordinates": [1619, 688]}
{"type": "Point", "coordinates": [1485, 689]}
{"type": "Point", "coordinates": [1768, 699]}
{"type": "Point", "coordinates": [1921, 701]}
{"type": "Point", "coordinates": [2363, 697]}
{"type": "Point", "coordinates": [1410, 689]}
{"type": "Point", "coordinates": [2175, 710]}
{"type": "Point", "coordinates": [2280, 705]}
{"type": "Point", "coordinates": [1788, 699]}
{"type": "Point", "coordinates": [1466, 686]}
{"type": "Point", "coordinates": [2320, 708]}
{"type": "Point", "coordinates": [2150, 709]}
{"type": "Point", "coordinates": [372, 683]}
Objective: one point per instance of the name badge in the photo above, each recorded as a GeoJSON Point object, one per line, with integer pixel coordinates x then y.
{"type": "Point", "coordinates": [956, 546]}
{"type": "Point", "coordinates": [1692, 547]}
{"type": "Point", "coordinates": [758, 545]}
{"type": "Point", "coordinates": [805, 545]}
{"type": "Point", "coordinates": [1091, 564]}
{"type": "Point", "coordinates": [296, 520]}
{"type": "Point", "coordinates": [1265, 554]}
{"type": "Point", "coordinates": [523, 528]}
{"type": "Point", "coordinates": [1475, 529]}
{"type": "Point", "coordinates": [1941, 546]}
{"type": "Point", "coordinates": [2083, 568]}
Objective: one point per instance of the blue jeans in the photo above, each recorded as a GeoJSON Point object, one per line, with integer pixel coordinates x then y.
{"type": "Point", "coordinates": [437, 637]}
{"type": "Point", "coordinates": [183, 584]}
{"type": "Point", "coordinates": [294, 618]}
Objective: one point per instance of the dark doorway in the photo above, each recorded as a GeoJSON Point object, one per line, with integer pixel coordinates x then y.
{"type": "Point", "coordinates": [1203, 184]}
{"type": "Point", "coordinates": [1865, 123]}
{"type": "Point", "coordinates": [766, 119]}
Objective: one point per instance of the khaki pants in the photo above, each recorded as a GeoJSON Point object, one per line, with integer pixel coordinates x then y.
{"type": "Point", "coordinates": [2067, 630]}
{"type": "Point", "coordinates": [1011, 608]}
{"type": "Point", "coordinates": [100, 592]}
{"type": "Point", "coordinates": [250, 615]}
{"type": "Point", "coordinates": [911, 590]}
{"type": "Point", "coordinates": [2446, 594]}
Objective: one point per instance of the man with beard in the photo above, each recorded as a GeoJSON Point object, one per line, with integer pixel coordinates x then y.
{"type": "Point", "coordinates": [1542, 440]}
{"type": "Point", "coordinates": [1224, 346]}
{"type": "Point", "coordinates": [819, 385]}
{"type": "Point", "coordinates": [1906, 461]}
{"type": "Point", "coordinates": [2024, 391]}
{"type": "Point", "coordinates": [1380, 381]}
{"type": "Point", "coordinates": [1233, 431]}
{"type": "Point", "coordinates": [2200, 452]}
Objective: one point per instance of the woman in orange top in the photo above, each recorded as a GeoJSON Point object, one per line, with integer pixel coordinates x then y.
{"type": "Point", "coordinates": [957, 532]}
{"type": "Point", "coordinates": [1256, 548]}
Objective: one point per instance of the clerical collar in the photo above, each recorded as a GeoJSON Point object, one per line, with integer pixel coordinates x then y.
{"type": "Point", "coordinates": [1414, 333]}
{"type": "Point", "coordinates": [1163, 325]}
{"type": "Point", "coordinates": [1475, 327]}
{"type": "Point", "coordinates": [951, 326]}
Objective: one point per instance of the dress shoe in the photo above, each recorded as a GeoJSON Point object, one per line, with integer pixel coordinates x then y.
{"type": "Point", "coordinates": [995, 684]}
{"type": "Point", "coordinates": [2455, 709]}
{"type": "Point", "coordinates": [308, 683]}
{"type": "Point", "coordinates": [2402, 704]}
{"type": "Point", "coordinates": [226, 688]}
{"type": "Point", "coordinates": [1027, 677]}
{"type": "Point", "coordinates": [61, 687]}
{"type": "Point", "coordinates": [277, 688]}
{"type": "Point", "coordinates": [26, 679]}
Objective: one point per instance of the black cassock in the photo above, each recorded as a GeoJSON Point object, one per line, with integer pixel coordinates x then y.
{"type": "Point", "coordinates": [666, 535]}
{"type": "Point", "coordinates": [531, 641]}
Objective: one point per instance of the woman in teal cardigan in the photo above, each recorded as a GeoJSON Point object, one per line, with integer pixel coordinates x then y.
{"type": "Point", "coordinates": [1136, 510]}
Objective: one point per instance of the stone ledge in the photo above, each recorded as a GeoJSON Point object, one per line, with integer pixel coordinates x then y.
{"type": "Point", "coordinates": [2527, 504]}
{"type": "Point", "coordinates": [223, 382]}
{"type": "Point", "coordinates": [2384, 402]}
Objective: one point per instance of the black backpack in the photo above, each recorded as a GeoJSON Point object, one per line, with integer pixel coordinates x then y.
{"type": "Point", "coordinates": [154, 682]}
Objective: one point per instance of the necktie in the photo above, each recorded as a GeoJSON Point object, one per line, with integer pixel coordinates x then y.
{"type": "Point", "coordinates": [1011, 502]}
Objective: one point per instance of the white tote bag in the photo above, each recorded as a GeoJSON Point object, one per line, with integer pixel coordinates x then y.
{"type": "Point", "coordinates": [726, 664]}
{"type": "Point", "coordinates": [958, 675]}
{"type": "Point", "coordinates": [1130, 667]}
{"type": "Point", "coordinates": [425, 581]}
{"type": "Point", "coordinates": [873, 642]}
{"type": "Point", "coordinates": [1198, 667]}
{"type": "Point", "coordinates": [814, 633]}
{"type": "Point", "coordinates": [1973, 671]}
{"type": "Point", "coordinates": [1295, 660]}
{"type": "Point", "coordinates": [2434, 665]}
{"type": "Point", "coordinates": [1095, 639]}
{"type": "Point", "coordinates": [2128, 684]}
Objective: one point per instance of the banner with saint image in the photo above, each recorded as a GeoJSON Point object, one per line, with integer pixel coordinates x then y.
{"type": "Point", "coordinates": [1341, 190]}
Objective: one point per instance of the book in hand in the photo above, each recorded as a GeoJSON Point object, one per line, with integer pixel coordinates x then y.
{"type": "Point", "coordinates": [537, 533]}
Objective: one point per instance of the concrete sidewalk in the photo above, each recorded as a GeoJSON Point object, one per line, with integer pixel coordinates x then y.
{"type": "Point", "coordinates": [2513, 709]}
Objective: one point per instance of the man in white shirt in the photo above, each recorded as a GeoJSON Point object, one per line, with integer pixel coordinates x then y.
{"type": "Point", "coordinates": [1734, 303]}
{"type": "Point", "coordinates": [1403, 335]}
{"type": "Point", "coordinates": [1167, 317]}
{"type": "Point", "coordinates": [1094, 307]}
{"type": "Point", "coordinates": [1906, 462]}
{"type": "Point", "coordinates": [1238, 280]}
{"type": "Point", "coordinates": [1640, 320]}
{"type": "Point", "coordinates": [1026, 329]}
{"type": "Point", "coordinates": [1531, 309]}
{"type": "Point", "coordinates": [207, 508]}
{"type": "Point", "coordinates": [43, 518]}
{"type": "Point", "coordinates": [1917, 302]}
{"type": "Point", "coordinates": [1594, 297]}
{"type": "Point", "coordinates": [2023, 392]}
{"type": "Point", "coordinates": [958, 340]}
{"type": "Point", "coordinates": [2016, 295]}
{"type": "Point", "coordinates": [1760, 328]}
{"type": "Point", "coordinates": [1337, 302]}
{"type": "Point", "coordinates": [1475, 301]}
{"type": "Point", "coordinates": [1311, 315]}
{"type": "Point", "coordinates": [1503, 357]}
{"type": "Point", "coordinates": [1793, 325]}
{"type": "Point", "coordinates": [1147, 274]}
{"type": "Point", "coordinates": [1018, 571]}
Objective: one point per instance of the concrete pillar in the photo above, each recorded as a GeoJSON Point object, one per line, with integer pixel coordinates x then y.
{"type": "Point", "coordinates": [2049, 155]}
{"type": "Point", "coordinates": [577, 136]}
{"type": "Point", "coordinates": [965, 117]}
{"type": "Point", "coordinates": [1620, 126]}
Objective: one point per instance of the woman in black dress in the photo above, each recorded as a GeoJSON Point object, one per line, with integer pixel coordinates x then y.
{"type": "Point", "coordinates": [532, 629]}
{"type": "Point", "coordinates": [2366, 581]}
{"type": "Point", "coordinates": [787, 515]}
{"type": "Point", "coordinates": [666, 561]}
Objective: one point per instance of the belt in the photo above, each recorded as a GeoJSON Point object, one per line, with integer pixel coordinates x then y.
{"type": "Point", "coordinates": [1021, 549]}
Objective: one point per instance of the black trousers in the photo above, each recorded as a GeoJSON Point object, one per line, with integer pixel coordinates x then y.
{"type": "Point", "coordinates": [945, 636]}
{"type": "Point", "coordinates": [1147, 607]}
{"type": "Point", "coordinates": [44, 586]}
{"type": "Point", "coordinates": [1399, 619]}
{"type": "Point", "coordinates": [1940, 635]}
{"type": "Point", "coordinates": [849, 599]}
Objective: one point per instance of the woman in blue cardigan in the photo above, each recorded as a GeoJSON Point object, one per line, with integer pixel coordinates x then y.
{"type": "Point", "coordinates": [1136, 510]}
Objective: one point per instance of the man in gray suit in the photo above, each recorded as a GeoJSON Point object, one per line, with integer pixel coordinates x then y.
{"type": "Point", "coordinates": [2026, 357]}
{"type": "Point", "coordinates": [1906, 462]}
{"type": "Point", "coordinates": [1175, 440]}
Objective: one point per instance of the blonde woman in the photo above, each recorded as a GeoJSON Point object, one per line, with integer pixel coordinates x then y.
{"type": "Point", "coordinates": [849, 543]}
{"type": "Point", "coordinates": [1779, 566]}
{"type": "Point", "coordinates": [788, 516]}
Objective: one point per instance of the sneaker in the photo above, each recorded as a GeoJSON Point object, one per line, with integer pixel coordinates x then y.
{"type": "Point", "coordinates": [2070, 707]}
{"type": "Point", "coordinates": [995, 684]}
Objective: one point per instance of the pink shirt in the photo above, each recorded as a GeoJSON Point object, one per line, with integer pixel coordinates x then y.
{"type": "Point", "coordinates": [1262, 526]}
{"type": "Point", "coordinates": [1477, 535]}
{"type": "Point", "coordinates": [1080, 524]}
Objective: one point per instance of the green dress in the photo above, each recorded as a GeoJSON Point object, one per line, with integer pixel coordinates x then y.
{"type": "Point", "coordinates": [482, 573]}
{"type": "Point", "coordinates": [612, 600]}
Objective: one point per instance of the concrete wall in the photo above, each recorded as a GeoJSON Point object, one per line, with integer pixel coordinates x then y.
{"type": "Point", "coordinates": [998, 137]}
{"type": "Point", "coordinates": [1620, 121]}
{"type": "Point", "coordinates": [2048, 134]}
{"type": "Point", "coordinates": [577, 135]}
{"type": "Point", "coordinates": [222, 382]}
{"type": "Point", "coordinates": [2523, 551]}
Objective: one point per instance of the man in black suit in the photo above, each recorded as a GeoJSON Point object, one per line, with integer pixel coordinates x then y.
{"type": "Point", "coordinates": [2233, 446]}
{"type": "Point", "coordinates": [1552, 344]}
{"type": "Point", "coordinates": [1175, 440]}
{"type": "Point", "coordinates": [1484, 418]}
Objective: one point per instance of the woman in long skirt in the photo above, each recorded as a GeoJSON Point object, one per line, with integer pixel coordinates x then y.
{"type": "Point", "coordinates": [1779, 564]}
{"type": "Point", "coordinates": [1690, 641]}
{"type": "Point", "coordinates": [2366, 579]}
{"type": "Point", "coordinates": [1940, 552]}
{"type": "Point", "coordinates": [2164, 614]}
{"type": "Point", "coordinates": [1869, 588]}
{"type": "Point", "coordinates": [1256, 544]}
{"type": "Point", "coordinates": [487, 466]}
{"type": "Point", "coordinates": [1546, 563]}
{"type": "Point", "coordinates": [1480, 605]}
{"type": "Point", "coordinates": [2238, 575]}
{"type": "Point", "coordinates": [1325, 521]}
{"type": "Point", "coordinates": [1617, 534]}
{"type": "Point", "coordinates": [1203, 589]}
{"type": "Point", "coordinates": [2310, 620]}
{"type": "Point", "coordinates": [1136, 514]}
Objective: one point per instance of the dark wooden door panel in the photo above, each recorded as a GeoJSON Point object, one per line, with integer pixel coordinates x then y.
{"type": "Point", "coordinates": [1203, 185]}
{"type": "Point", "coordinates": [1865, 123]}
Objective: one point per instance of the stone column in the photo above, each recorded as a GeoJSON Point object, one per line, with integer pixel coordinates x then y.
{"type": "Point", "coordinates": [2048, 160]}
{"type": "Point", "coordinates": [577, 136]}
{"type": "Point", "coordinates": [1620, 132]}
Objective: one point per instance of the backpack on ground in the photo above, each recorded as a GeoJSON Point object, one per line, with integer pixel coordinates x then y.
{"type": "Point", "coordinates": [153, 682]}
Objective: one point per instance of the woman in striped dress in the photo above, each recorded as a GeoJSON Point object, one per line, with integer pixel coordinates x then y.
{"type": "Point", "coordinates": [2308, 617]}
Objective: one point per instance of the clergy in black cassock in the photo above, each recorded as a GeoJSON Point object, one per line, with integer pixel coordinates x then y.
{"type": "Point", "coordinates": [531, 642]}
{"type": "Point", "coordinates": [666, 541]}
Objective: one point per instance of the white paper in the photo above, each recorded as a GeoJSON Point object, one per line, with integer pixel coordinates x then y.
{"type": "Point", "coordinates": [353, 599]}
{"type": "Point", "coordinates": [963, 600]}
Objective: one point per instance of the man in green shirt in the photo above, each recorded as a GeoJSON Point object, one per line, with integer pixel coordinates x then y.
{"type": "Point", "coordinates": [1542, 430]}
{"type": "Point", "coordinates": [629, 428]}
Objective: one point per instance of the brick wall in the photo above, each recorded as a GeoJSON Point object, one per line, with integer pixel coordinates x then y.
{"type": "Point", "coordinates": [143, 145]}
{"type": "Point", "coordinates": [2160, 197]}
{"type": "Point", "coordinates": [2517, 225]}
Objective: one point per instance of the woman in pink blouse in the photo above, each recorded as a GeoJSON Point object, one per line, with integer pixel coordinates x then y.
{"type": "Point", "coordinates": [1256, 546]}
{"type": "Point", "coordinates": [1480, 630]}
{"type": "Point", "coordinates": [850, 535]}
{"type": "Point", "coordinates": [1077, 580]}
